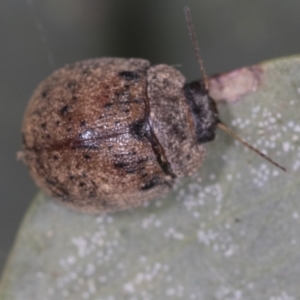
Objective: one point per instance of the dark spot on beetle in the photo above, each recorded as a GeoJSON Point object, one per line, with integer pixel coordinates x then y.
{"type": "Point", "coordinates": [117, 122]}
{"type": "Point", "coordinates": [154, 181]}
{"type": "Point", "coordinates": [63, 192]}
{"type": "Point", "coordinates": [74, 98]}
{"type": "Point", "coordinates": [92, 194]}
{"type": "Point", "coordinates": [126, 111]}
{"type": "Point", "coordinates": [179, 132]}
{"type": "Point", "coordinates": [69, 129]}
{"type": "Point", "coordinates": [70, 119]}
{"type": "Point", "coordinates": [110, 147]}
{"type": "Point", "coordinates": [138, 100]}
{"type": "Point", "coordinates": [71, 84]}
{"type": "Point", "coordinates": [48, 136]}
{"type": "Point", "coordinates": [129, 75]}
{"type": "Point", "coordinates": [85, 71]}
{"type": "Point", "coordinates": [131, 170]}
{"type": "Point", "coordinates": [141, 160]}
{"type": "Point", "coordinates": [55, 157]}
{"type": "Point", "coordinates": [107, 105]}
{"type": "Point", "coordinates": [81, 184]}
{"type": "Point", "coordinates": [44, 125]}
{"type": "Point", "coordinates": [175, 129]}
{"type": "Point", "coordinates": [106, 96]}
{"type": "Point", "coordinates": [188, 157]}
{"type": "Point", "coordinates": [51, 182]}
{"type": "Point", "coordinates": [128, 168]}
{"type": "Point", "coordinates": [87, 156]}
{"type": "Point", "coordinates": [105, 203]}
{"type": "Point", "coordinates": [37, 112]}
{"type": "Point", "coordinates": [57, 123]}
{"type": "Point", "coordinates": [120, 164]}
{"type": "Point", "coordinates": [64, 110]}
{"type": "Point", "coordinates": [71, 177]}
{"type": "Point", "coordinates": [139, 129]}
{"type": "Point", "coordinates": [82, 123]}
{"type": "Point", "coordinates": [44, 93]}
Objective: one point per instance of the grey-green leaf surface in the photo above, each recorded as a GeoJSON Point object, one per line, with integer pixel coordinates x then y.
{"type": "Point", "coordinates": [231, 232]}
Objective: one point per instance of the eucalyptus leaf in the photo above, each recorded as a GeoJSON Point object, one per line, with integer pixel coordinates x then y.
{"type": "Point", "coordinates": [231, 232]}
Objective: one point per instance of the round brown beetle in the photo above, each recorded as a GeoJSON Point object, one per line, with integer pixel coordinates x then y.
{"type": "Point", "coordinates": [111, 133]}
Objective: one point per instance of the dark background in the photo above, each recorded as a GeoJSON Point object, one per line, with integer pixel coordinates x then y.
{"type": "Point", "coordinates": [38, 36]}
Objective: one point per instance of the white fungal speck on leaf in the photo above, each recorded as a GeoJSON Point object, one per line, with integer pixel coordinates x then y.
{"type": "Point", "coordinates": [282, 296]}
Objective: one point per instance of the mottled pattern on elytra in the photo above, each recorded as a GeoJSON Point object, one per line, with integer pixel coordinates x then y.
{"type": "Point", "coordinates": [84, 98]}
{"type": "Point", "coordinates": [172, 120]}
{"type": "Point", "coordinates": [109, 134]}
{"type": "Point", "coordinates": [82, 139]}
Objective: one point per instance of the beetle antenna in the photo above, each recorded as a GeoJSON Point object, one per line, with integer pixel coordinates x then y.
{"type": "Point", "coordinates": [220, 125]}
{"type": "Point", "coordinates": [234, 135]}
{"type": "Point", "coordinates": [193, 37]}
